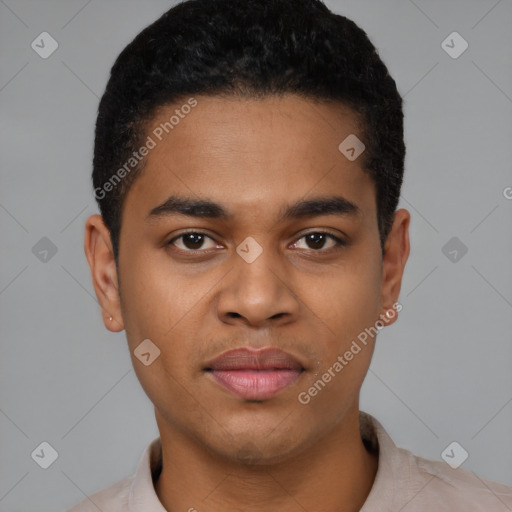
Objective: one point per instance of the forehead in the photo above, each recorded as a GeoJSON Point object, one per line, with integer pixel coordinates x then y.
{"type": "Point", "coordinates": [245, 124]}
{"type": "Point", "coordinates": [250, 152]}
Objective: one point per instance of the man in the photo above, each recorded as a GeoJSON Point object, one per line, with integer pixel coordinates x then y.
{"type": "Point", "coordinates": [248, 161]}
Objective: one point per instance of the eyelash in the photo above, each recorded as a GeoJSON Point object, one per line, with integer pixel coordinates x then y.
{"type": "Point", "coordinates": [339, 242]}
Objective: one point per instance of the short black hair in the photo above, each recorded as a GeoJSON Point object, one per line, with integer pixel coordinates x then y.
{"type": "Point", "coordinates": [247, 48]}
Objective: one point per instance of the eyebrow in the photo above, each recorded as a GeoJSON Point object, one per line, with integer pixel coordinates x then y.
{"type": "Point", "coordinates": [205, 208]}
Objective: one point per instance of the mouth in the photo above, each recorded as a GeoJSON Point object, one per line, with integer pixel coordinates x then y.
{"type": "Point", "coordinates": [255, 375]}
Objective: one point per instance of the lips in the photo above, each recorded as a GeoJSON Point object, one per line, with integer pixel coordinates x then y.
{"type": "Point", "coordinates": [255, 374]}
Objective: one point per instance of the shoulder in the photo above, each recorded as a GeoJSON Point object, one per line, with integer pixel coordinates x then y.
{"type": "Point", "coordinates": [410, 483]}
{"type": "Point", "coordinates": [434, 485]}
{"type": "Point", "coordinates": [136, 489]}
{"type": "Point", "coordinates": [110, 499]}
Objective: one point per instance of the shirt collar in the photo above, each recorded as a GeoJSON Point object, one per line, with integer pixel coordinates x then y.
{"type": "Point", "coordinates": [390, 469]}
{"type": "Point", "coordinates": [142, 496]}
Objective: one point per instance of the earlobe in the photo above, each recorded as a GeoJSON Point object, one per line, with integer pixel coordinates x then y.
{"type": "Point", "coordinates": [100, 256]}
{"type": "Point", "coordinates": [395, 257]}
{"type": "Point", "coordinates": [390, 315]}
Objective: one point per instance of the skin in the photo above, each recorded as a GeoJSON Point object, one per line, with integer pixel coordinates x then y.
{"type": "Point", "coordinates": [253, 157]}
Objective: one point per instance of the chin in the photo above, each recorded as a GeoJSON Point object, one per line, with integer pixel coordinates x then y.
{"type": "Point", "coordinates": [256, 448]}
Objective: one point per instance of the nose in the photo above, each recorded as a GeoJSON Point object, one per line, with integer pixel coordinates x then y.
{"type": "Point", "coordinates": [258, 294]}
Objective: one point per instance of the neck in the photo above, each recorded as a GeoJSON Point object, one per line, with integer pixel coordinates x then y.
{"type": "Point", "coordinates": [334, 474]}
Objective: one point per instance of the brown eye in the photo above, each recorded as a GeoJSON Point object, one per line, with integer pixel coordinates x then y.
{"type": "Point", "coordinates": [192, 241]}
{"type": "Point", "coordinates": [317, 241]}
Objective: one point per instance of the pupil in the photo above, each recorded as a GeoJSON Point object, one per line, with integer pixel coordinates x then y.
{"type": "Point", "coordinates": [193, 239]}
{"type": "Point", "coordinates": [317, 239]}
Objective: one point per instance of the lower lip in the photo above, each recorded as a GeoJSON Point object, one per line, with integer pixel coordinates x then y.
{"type": "Point", "coordinates": [255, 384]}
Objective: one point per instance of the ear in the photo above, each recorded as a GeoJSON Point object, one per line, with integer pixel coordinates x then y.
{"type": "Point", "coordinates": [396, 252]}
{"type": "Point", "coordinates": [100, 255]}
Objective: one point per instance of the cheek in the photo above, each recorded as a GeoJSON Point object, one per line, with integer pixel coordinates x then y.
{"type": "Point", "coordinates": [348, 305]}
{"type": "Point", "coordinates": [348, 300]}
{"type": "Point", "coordinates": [157, 296]}
{"type": "Point", "coordinates": [347, 349]}
{"type": "Point", "coordinates": [332, 392]}
{"type": "Point", "coordinates": [158, 305]}
{"type": "Point", "coordinates": [169, 307]}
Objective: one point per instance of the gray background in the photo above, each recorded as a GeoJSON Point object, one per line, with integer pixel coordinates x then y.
{"type": "Point", "coordinates": [442, 373]}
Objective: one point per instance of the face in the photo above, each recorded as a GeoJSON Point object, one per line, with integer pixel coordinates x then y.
{"type": "Point", "coordinates": [269, 240]}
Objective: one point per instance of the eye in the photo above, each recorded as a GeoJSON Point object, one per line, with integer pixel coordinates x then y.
{"type": "Point", "coordinates": [192, 241]}
{"type": "Point", "coordinates": [317, 240]}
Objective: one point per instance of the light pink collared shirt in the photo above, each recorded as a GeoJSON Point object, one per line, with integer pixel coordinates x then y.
{"type": "Point", "coordinates": [404, 483]}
